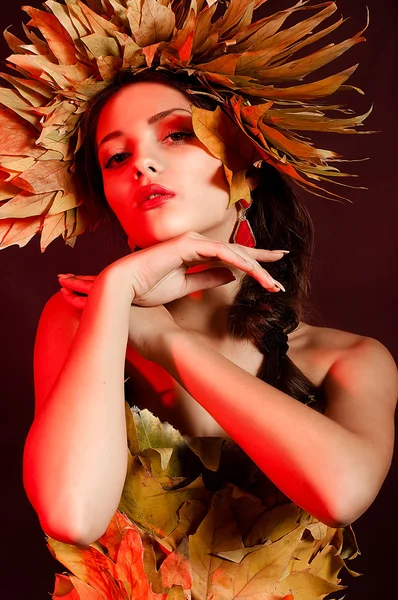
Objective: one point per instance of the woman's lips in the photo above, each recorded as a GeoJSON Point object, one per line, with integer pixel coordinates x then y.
{"type": "Point", "coordinates": [155, 202]}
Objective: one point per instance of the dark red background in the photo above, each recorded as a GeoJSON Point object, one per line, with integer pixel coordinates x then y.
{"type": "Point", "coordinates": [354, 289]}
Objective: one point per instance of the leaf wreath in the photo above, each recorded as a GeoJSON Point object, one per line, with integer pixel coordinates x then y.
{"type": "Point", "coordinates": [250, 69]}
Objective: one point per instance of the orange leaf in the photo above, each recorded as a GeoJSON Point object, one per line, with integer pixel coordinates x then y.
{"type": "Point", "coordinates": [17, 136]}
{"type": "Point", "coordinates": [57, 37]}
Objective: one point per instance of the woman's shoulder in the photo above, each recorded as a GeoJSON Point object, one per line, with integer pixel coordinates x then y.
{"type": "Point", "coordinates": [332, 345]}
{"type": "Point", "coordinates": [339, 340]}
{"type": "Point", "coordinates": [331, 338]}
{"type": "Point", "coordinates": [314, 349]}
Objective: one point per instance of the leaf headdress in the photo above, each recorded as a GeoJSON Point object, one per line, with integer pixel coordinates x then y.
{"type": "Point", "coordinates": [250, 69]}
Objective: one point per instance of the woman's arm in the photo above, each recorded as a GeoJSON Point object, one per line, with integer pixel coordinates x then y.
{"type": "Point", "coordinates": [75, 455]}
{"type": "Point", "coordinates": [331, 465]}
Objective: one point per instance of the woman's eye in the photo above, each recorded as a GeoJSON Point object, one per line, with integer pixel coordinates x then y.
{"type": "Point", "coordinates": [115, 157]}
{"type": "Point", "coordinates": [188, 134]}
{"type": "Point", "coordinates": [119, 157]}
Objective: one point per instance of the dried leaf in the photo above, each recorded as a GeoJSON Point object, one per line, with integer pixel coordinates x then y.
{"type": "Point", "coordinates": [19, 231]}
{"type": "Point", "coordinates": [150, 24]}
{"type": "Point", "coordinates": [119, 578]}
{"type": "Point", "coordinates": [26, 204]}
{"type": "Point", "coordinates": [45, 176]}
{"type": "Point", "coordinates": [176, 569]}
{"type": "Point", "coordinates": [100, 45]}
{"type": "Point", "coordinates": [17, 135]}
{"type": "Point", "coordinates": [227, 142]}
{"type": "Point", "coordinates": [57, 37]}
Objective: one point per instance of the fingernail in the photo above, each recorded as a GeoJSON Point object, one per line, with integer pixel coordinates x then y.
{"type": "Point", "coordinates": [282, 251]}
{"type": "Point", "coordinates": [278, 285]}
{"type": "Point", "coordinates": [63, 276]}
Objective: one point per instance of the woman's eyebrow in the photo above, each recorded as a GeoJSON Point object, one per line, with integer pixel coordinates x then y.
{"type": "Point", "coordinates": [153, 119]}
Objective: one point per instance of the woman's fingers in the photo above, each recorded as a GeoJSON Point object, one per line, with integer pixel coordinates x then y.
{"type": "Point", "coordinates": [241, 258]}
{"type": "Point", "coordinates": [80, 283]}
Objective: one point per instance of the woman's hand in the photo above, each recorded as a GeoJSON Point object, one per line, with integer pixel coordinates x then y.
{"type": "Point", "coordinates": [159, 274]}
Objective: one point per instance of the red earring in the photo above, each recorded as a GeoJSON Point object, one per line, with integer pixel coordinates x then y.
{"type": "Point", "coordinates": [243, 233]}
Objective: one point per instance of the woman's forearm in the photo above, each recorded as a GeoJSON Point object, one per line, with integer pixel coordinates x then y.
{"type": "Point", "coordinates": [311, 458]}
{"type": "Point", "coordinates": [75, 456]}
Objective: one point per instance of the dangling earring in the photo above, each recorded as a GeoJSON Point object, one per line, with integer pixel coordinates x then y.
{"type": "Point", "coordinates": [243, 233]}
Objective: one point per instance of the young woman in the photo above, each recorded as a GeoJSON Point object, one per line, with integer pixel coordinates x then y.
{"type": "Point", "coordinates": [210, 341]}
{"type": "Point", "coordinates": [197, 311]}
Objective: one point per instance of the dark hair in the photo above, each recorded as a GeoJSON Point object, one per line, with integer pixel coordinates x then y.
{"type": "Point", "coordinates": [279, 221]}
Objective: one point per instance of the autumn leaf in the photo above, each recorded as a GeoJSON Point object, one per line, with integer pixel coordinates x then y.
{"type": "Point", "coordinates": [98, 575]}
{"type": "Point", "coordinates": [58, 39]}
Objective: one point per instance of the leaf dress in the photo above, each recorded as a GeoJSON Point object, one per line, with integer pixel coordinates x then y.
{"type": "Point", "coordinates": [198, 520]}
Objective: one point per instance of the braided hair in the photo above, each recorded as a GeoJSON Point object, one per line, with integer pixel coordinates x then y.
{"type": "Point", "coordinates": [278, 220]}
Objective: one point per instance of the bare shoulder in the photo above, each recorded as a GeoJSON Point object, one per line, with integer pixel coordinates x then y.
{"type": "Point", "coordinates": [328, 338]}
{"type": "Point", "coordinates": [358, 363]}
{"type": "Point", "coordinates": [343, 342]}
{"type": "Point", "coordinates": [327, 349]}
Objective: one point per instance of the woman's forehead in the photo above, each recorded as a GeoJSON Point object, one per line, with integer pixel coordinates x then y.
{"type": "Point", "coordinates": [136, 103]}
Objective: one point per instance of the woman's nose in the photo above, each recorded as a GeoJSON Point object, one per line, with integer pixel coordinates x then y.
{"type": "Point", "coordinates": [147, 160]}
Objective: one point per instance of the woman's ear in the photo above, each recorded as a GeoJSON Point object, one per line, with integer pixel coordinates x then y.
{"type": "Point", "coordinates": [253, 178]}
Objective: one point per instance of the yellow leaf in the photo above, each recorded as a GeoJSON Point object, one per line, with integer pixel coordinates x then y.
{"type": "Point", "coordinates": [217, 532]}
{"type": "Point", "coordinates": [223, 138]}
{"type": "Point", "coordinates": [147, 503]}
{"type": "Point", "coordinates": [273, 524]}
{"type": "Point", "coordinates": [107, 66]}
{"type": "Point", "coordinates": [100, 45]}
{"type": "Point", "coordinates": [239, 188]}
{"type": "Point", "coordinates": [263, 29]}
{"type": "Point", "coordinates": [26, 204]}
{"type": "Point", "coordinates": [45, 176]}
{"type": "Point", "coordinates": [298, 69]}
{"type": "Point", "coordinates": [301, 120]}
{"type": "Point", "coordinates": [156, 25]}
{"type": "Point", "coordinates": [14, 102]}
{"type": "Point", "coordinates": [306, 585]}
{"type": "Point", "coordinates": [317, 89]}
{"type": "Point", "coordinates": [34, 92]}
{"type": "Point", "coordinates": [54, 226]}
{"type": "Point", "coordinates": [208, 450]}
{"type": "Point", "coordinates": [133, 56]}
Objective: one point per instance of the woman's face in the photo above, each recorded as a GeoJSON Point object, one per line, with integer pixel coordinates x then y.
{"type": "Point", "coordinates": [142, 153]}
